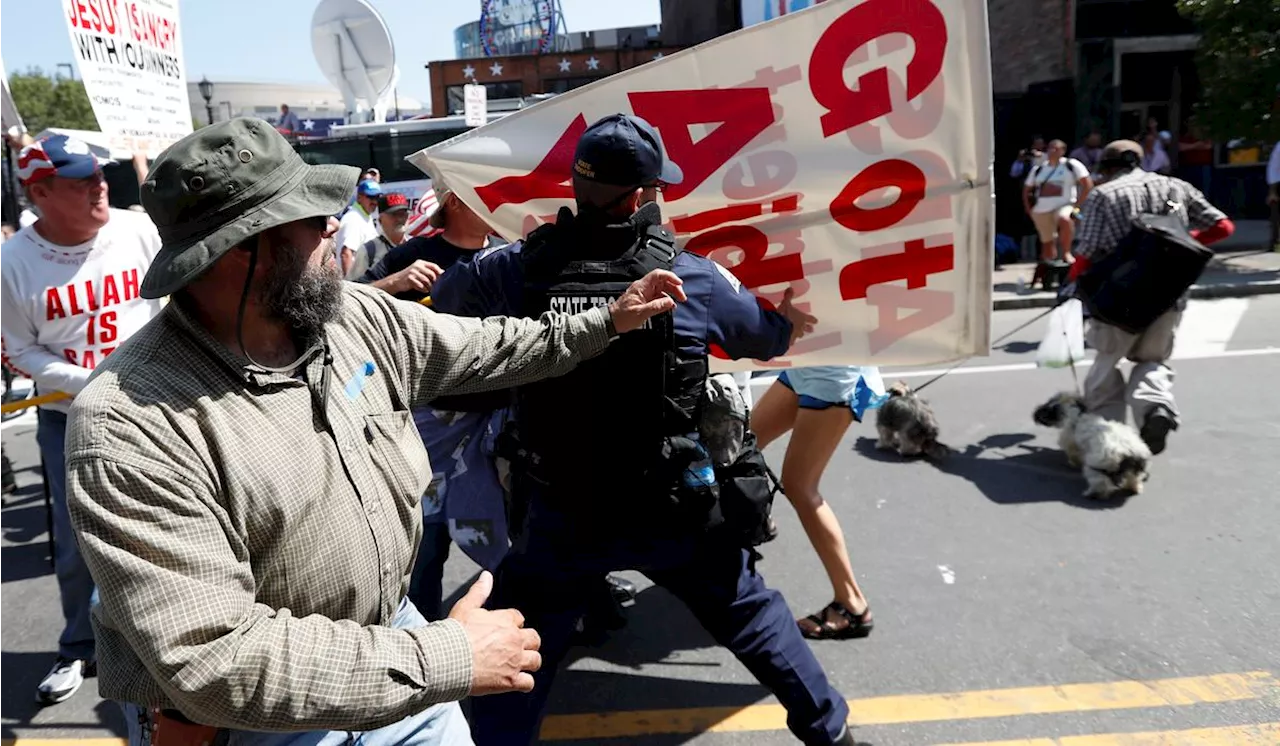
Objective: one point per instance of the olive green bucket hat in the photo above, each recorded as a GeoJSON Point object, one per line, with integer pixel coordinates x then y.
{"type": "Point", "coordinates": [225, 183]}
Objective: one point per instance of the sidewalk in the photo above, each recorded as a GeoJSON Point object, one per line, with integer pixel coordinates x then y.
{"type": "Point", "coordinates": [1231, 274]}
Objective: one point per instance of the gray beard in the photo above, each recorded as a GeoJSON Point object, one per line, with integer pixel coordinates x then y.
{"type": "Point", "coordinates": [304, 297]}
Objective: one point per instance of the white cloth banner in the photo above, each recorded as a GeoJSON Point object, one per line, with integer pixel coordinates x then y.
{"type": "Point", "coordinates": [843, 151]}
{"type": "Point", "coordinates": [10, 116]}
{"type": "Point", "coordinates": [130, 59]}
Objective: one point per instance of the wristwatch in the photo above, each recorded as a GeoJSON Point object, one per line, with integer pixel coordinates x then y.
{"type": "Point", "coordinates": [608, 324]}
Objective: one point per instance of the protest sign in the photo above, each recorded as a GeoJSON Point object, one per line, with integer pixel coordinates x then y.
{"type": "Point", "coordinates": [9, 115]}
{"type": "Point", "coordinates": [130, 57]}
{"type": "Point", "coordinates": [843, 151]}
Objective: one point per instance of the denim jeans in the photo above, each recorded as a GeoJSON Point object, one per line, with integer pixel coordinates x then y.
{"type": "Point", "coordinates": [438, 725]}
{"type": "Point", "coordinates": [75, 585]}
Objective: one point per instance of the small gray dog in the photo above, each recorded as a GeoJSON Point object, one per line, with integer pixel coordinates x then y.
{"type": "Point", "coordinates": [906, 423]}
{"type": "Point", "coordinates": [1111, 455]}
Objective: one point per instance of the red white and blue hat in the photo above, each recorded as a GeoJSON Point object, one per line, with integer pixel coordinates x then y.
{"type": "Point", "coordinates": [58, 155]}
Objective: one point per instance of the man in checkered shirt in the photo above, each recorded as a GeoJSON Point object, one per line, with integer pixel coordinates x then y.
{"type": "Point", "coordinates": [245, 478]}
{"type": "Point", "coordinates": [1105, 218]}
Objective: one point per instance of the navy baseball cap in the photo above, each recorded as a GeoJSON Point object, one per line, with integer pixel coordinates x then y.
{"type": "Point", "coordinates": [58, 155]}
{"type": "Point", "coordinates": [370, 188]}
{"type": "Point", "coordinates": [624, 150]}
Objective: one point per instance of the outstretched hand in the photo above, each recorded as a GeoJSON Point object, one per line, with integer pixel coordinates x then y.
{"type": "Point", "coordinates": [655, 293]}
{"type": "Point", "coordinates": [801, 323]}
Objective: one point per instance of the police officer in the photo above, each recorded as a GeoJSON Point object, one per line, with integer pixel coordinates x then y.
{"type": "Point", "coordinates": [598, 447]}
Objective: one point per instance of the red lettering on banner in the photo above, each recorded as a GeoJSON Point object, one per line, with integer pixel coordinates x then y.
{"type": "Point", "coordinates": [742, 114]}
{"type": "Point", "coordinates": [107, 351]}
{"type": "Point", "coordinates": [906, 121]}
{"type": "Point", "coordinates": [906, 176]}
{"type": "Point", "coordinates": [70, 355]}
{"type": "Point", "coordinates": [90, 360]}
{"type": "Point", "coordinates": [771, 171]}
{"type": "Point", "coordinates": [931, 306]}
{"type": "Point", "coordinates": [754, 270]}
{"type": "Point", "coordinates": [546, 181]}
{"type": "Point", "coordinates": [936, 172]}
{"type": "Point", "coordinates": [914, 264]}
{"type": "Point", "coordinates": [861, 24]}
{"type": "Point", "coordinates": [53, 305]}
{"type": "Point", "coordinates": [701, 221]}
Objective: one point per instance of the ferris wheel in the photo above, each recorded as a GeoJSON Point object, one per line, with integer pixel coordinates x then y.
{"type": "Point", "coordinates": [521, 26]}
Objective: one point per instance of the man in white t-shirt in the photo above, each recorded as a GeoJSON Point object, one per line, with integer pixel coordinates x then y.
{"type": "Point", "coordinates": [70, 298]}
{"type": "Point", "coordinates": [1050, 196]}
{"type": "Point", "coordinates": [356, 227]}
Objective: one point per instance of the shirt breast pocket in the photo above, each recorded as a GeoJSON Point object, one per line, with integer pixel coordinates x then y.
{"type": "Point", "coordinates": [398, 456]}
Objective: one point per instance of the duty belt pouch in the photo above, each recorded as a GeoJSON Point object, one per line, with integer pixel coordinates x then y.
{"type": "Point", "coordinates": [747, 489]}
{"type": "Point", "coordinates": [690, 479]}
{"type": "Point", "coordinates": [1146, 275]}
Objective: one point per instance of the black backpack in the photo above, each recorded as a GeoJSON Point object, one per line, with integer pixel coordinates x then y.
{"type": "Point", "coordinates": [1147, 273]}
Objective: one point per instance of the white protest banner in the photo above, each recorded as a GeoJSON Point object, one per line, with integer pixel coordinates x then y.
{"type": "Point", "coordinates": [9, 115]}
{"type": "Point", "coordinates": [843, 151]}
{"type": "Point", "coordinates": [129, 53]}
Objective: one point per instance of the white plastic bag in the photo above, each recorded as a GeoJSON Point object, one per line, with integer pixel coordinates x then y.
{"type": "Point", "coordinates": [1063, 344]}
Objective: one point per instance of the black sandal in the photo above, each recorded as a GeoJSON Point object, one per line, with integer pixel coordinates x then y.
{"type": "Point", "coordinates": [860, 625]}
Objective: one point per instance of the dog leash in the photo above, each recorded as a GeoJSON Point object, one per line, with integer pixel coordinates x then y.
{"type": "Point", "coordinates": [958, 363]}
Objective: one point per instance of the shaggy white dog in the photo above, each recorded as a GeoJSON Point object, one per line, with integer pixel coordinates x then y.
{"type": "Point", "coordinates": [1111, 455]}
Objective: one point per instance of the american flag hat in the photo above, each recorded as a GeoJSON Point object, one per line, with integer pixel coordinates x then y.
{"type": "Point", "coordinates": [58, 155]}
{"type": "Point", "coordinates": [420, 219]}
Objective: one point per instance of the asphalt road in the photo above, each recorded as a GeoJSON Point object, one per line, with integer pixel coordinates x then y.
{"type": "Point", "coordinates": [986, 573]}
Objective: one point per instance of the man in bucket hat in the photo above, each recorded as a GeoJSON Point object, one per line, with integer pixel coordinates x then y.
{"type": "Point", "coordinates": [245, 478]}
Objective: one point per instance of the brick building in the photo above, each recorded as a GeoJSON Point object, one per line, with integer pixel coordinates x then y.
{"type": "Point", "coordinates": [514, 77]}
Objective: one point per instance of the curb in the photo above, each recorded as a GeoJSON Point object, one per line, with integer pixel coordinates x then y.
{"type": "Point", "coordinates": [1198, 292]}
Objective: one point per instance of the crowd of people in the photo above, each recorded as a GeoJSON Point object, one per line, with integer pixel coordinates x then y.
{"type": "Point", "coordinates": [282, 413]}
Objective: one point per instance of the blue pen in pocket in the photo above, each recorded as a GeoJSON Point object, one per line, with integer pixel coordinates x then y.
{"type": "Point", "coordinates": [355, 384]}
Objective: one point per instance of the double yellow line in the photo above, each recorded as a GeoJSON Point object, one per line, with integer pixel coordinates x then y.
{"type": "Point", "coordinates": [925, 708]}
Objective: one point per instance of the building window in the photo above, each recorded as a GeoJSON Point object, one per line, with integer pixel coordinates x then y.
{"type": "Point", "coordinates": [564, 85]}
{"type": "Point", "coordinates": [455, 98]}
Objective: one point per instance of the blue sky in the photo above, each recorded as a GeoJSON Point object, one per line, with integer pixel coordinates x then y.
{"type": "Point", "coordinates": [270, 40]}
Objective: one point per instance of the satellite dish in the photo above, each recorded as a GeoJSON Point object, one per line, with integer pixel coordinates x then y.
{"type": "Point", "coordinates": [353, 47]}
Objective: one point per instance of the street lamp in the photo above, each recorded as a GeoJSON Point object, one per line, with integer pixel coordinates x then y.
{"type": "Point", "coordinates": [71, 71]}
{"type": "Point", "coordinates": [206, 91]}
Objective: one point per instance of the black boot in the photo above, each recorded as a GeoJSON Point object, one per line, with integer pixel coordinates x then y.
{"type": "Point", "coordinates": [604, 611]}
{"type": "Point", "coordinates": [1156, 428]}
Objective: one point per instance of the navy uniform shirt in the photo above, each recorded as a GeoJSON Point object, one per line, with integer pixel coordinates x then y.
{"type": "Point", "coordinates": [719, 311]}
{"type": "Point", "coordinates": [432, 249]}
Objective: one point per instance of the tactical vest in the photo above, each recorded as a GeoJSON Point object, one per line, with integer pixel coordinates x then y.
{"type": "Point", "coordinates": [603, 430]}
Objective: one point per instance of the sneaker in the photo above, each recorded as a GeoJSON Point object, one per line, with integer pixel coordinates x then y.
{"type": "Point", "coordinates": [1156, 428]}
{"type": "Point", "coordinates": [63, 680]}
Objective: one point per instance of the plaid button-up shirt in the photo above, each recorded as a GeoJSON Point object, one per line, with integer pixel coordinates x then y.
{"type": "Point", "coordinates": [1108, 211]}
{"type": "Point", "coordinates": [252, 533]}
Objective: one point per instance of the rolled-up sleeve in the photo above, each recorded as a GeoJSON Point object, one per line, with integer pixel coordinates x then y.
{"type": "Point", "coordinates": [176, 584]}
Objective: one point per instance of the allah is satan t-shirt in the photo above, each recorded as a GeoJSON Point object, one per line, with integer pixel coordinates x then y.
{"type": "Point", "coordinates": [66, 308]}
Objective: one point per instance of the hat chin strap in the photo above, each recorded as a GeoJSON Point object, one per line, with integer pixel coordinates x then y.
{"type": "Point", "coordinates": [321, 346]}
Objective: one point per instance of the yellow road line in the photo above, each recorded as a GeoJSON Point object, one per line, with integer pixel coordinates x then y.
{"type": "Point", "coordinates": [918, 708]}
{"type": "Point", "coordinates": [1264, 734]}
